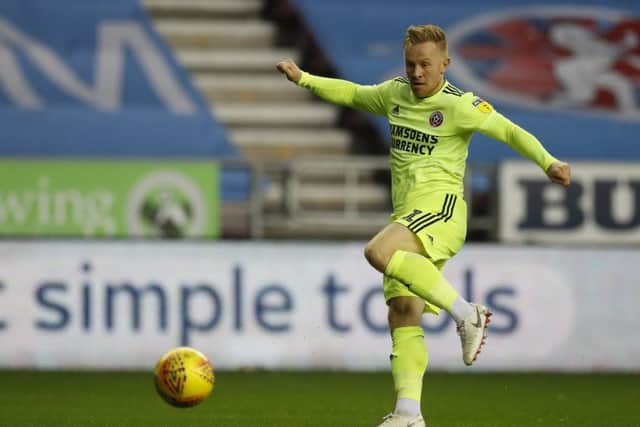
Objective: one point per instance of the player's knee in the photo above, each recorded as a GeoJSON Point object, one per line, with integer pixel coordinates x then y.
{"type": "Point", "coordinates": [376, 256]}
{"type": "Point", "coordinates": [370, 253]}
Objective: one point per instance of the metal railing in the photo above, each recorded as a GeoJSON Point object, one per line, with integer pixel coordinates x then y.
{"type": "Point", "coordinates": [346, 197]}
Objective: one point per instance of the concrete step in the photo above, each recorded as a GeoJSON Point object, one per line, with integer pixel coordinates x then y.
{"type": "Point", "coordinates": [249, 88]}
{"type": "Point", "coordinates": [201, 8]}
{"type": "Point", "coordinates": [245, 60]}
{"type": "Point", "coordinates": [284, 144]}
{"type": "Point", "coordinates": [343, 170]}
{"type": "Point", "coordinates": [200, 33]}
{"type": "Point", "coordinates": [313, 114]}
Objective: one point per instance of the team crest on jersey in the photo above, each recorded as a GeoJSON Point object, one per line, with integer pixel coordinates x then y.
{"type": "Point", "coordinates": [435, 119]}
{"type": "Point", "coordinates": [563, 58]}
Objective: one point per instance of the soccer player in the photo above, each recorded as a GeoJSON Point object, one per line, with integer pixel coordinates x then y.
{"type": "Point", "coordinates": [431, 123]}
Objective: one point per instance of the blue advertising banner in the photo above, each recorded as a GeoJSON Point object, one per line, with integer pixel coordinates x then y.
{"type": "Point", "coordinates": [570, 74]}
{"type": "Point", "coordinates": [92, 79]}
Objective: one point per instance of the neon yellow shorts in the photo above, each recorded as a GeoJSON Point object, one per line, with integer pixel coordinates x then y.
{"type": "Point", "coordinates": [440, 223]}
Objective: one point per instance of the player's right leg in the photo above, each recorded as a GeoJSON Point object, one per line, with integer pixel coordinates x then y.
{"type": "Point", "coordinates": [438, 225]}
{"type": "Point", "coordinates": [398, 253]}
{"type": "Point", "coordinates": [426, 281]}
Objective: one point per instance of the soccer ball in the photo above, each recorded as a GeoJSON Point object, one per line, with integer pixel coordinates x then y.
{"type": "Point", "coordinates": [183, 377]}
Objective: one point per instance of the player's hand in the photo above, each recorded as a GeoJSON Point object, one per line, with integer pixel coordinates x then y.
{"type": "Point", "coordinates": [560, 173]}
{"type": "Point", "coordinates": [290, 69]}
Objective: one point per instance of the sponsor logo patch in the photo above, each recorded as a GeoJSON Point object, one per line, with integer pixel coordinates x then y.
{"type": "Point", "coordinates": [482, 105]}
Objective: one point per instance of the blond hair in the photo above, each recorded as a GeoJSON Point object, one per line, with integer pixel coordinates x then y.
{"type": "Point", "coordinates": [425, 33]}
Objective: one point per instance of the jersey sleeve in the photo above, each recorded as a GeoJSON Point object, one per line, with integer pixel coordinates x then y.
{"type": "Point", "coordinates": [499, 127]}
{"type": "Point", "coordinates": [370, 98]}
{"type": "Point", "coordinates": [475, 114]}
{"type": "Point", "coordinates": [471, 111]}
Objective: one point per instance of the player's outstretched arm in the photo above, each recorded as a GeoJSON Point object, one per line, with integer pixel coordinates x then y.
{"type": "Point", "coordinates": [560, 172]}
{"type": "Point", "coordinates": [289, 68]}
{"type": "Point", "coordinates": [499, 127]}
{"type": "Point", "coordinates": [336, 91]}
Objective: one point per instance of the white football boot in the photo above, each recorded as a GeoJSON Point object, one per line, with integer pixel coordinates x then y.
{"type": "Point", "coordinates": [394, 420]}
{"type": "Point", "coordinates": [473, 331]}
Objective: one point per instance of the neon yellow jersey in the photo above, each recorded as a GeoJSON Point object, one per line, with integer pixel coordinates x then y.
{"type": "Point", "coordinates": [429, 136]}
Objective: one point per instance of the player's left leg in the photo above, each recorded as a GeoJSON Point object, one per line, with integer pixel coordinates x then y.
{"type": "Point", "coordinates": [409, 360]}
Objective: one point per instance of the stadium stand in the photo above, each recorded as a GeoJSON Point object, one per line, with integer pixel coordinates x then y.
{"type": "Point", "coordinates": [309, 175]}
{"type": "Point", "coordinates": [231, 55]}
{"type": "Point", "coordinates": [230, 49]}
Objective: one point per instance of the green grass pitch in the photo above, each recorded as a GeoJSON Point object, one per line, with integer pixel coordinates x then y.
{"type": "Point", "coordinates": [256, 399]}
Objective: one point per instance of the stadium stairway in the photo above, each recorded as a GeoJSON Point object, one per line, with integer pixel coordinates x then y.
{"type": "Point", "coordinates": [230, 50]}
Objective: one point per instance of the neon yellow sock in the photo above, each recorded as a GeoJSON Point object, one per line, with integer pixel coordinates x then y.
{"type": "Point", "coordinates": [409, 360]}
{"type": "Point", "coordinates": [422, 278]}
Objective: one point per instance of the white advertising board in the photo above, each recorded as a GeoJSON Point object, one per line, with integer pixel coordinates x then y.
{"type": "Point", "coordinates": [302, 305]}
{"type": "Point", "coordinates": [602, 204]}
